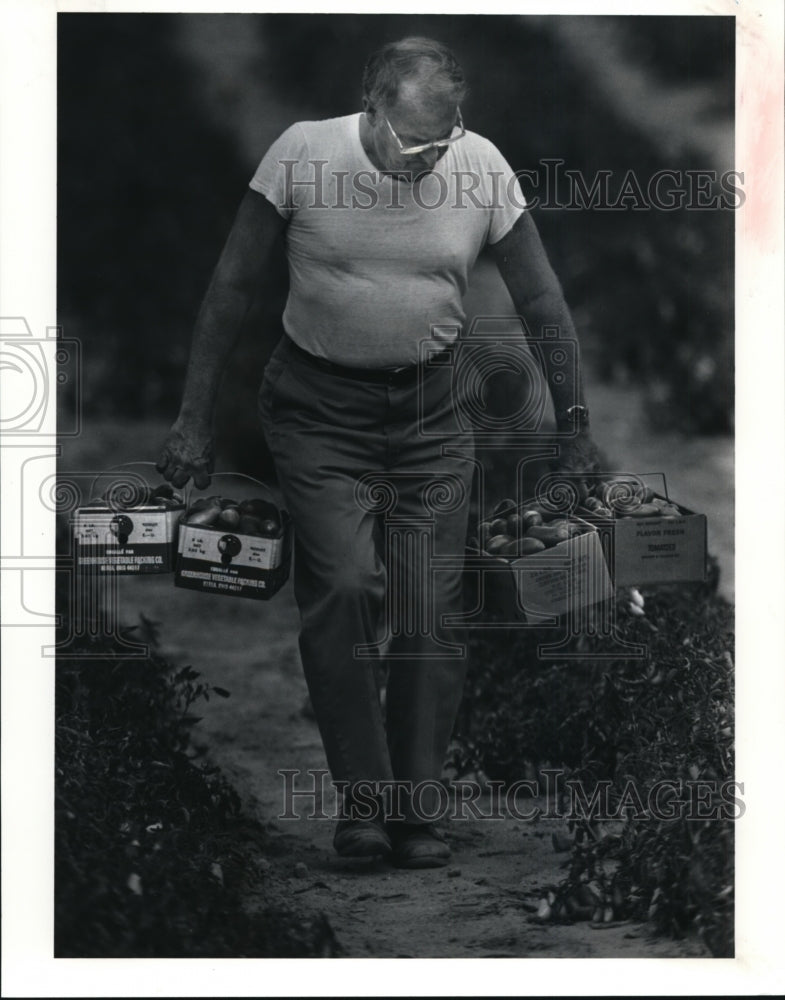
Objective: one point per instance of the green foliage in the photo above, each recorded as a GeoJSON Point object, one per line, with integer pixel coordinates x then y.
{"type": "Point", "coordinates": [632, 723]}
{"type": "Point", "coordinates": [152, 850]}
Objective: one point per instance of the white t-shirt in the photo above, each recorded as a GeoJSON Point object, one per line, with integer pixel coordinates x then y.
{"type": "Point", "coordinates": [376, 265]}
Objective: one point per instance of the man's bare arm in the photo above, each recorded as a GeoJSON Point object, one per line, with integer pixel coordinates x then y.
{"type": "Point", "coordinates": [188, 450]}
{"type": "Point", "coordinates": [538, 298]}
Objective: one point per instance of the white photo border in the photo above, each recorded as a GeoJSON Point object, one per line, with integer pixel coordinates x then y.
{"type": "Point", "coordinates": [27, 288]}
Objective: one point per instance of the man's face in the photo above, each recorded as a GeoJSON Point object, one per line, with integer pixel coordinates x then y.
{"type": "Point", "coordinates": [416, 120]}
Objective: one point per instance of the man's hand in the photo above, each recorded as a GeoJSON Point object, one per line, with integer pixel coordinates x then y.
{"type": "Point", "coordinates": [580, 458]}
{"type": "Point", "coordinates": [187, 452]}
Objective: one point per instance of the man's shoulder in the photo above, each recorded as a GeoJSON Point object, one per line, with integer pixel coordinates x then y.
{"type": "Point", "coordinates": [325, 128]}
{"type": "Point", "coordinates": [479, 146]}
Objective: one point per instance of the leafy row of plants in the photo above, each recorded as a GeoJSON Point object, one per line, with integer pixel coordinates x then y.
{"type": "Point", "coordinates": [152, 850]}
{"type": "Point", "coordinates": [626, 728]}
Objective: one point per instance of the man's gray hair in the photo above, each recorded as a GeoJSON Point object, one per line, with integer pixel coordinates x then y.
{"type": "Point", "coordinates": [430, 63]}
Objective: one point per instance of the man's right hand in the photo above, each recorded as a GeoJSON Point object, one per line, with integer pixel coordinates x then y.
{"type": "Point", "coordinates": [187, 453]}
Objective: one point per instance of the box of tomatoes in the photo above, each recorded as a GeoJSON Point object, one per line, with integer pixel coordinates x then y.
{"type": "Point", "coordinates": [236, 548]}
{"type": "Point", "coordinates": [535, 564]}
{"type": "Point", "coordinates": [130, 529]}
{"type": "Point", "coordinates": [648, 537]}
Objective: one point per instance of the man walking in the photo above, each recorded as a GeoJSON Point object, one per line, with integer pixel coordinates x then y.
{"type": "Point", "coordinates": [383, 215]}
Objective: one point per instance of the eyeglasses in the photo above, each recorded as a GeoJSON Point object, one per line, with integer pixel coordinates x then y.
{"type": "Point", "coordinates": [438, 144]}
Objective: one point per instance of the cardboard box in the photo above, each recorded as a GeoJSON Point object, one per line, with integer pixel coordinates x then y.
{"type": "Point", "coordinates": [218, 561]}
{"type": "Point", "coordinates": [649, 550]}
{"type": "Point", "coordinates": [561, 579]}
{"type": "Point", "coordinates": [140, 539]}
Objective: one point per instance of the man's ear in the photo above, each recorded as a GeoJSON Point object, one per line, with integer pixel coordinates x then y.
{"type": "Point", "coordinates": [369, 110]}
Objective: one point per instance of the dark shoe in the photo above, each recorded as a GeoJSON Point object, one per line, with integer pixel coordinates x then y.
{"type": "Point", "coordinates": [418, 845]}
{"type": "Point", "coordinates": [361, 838]}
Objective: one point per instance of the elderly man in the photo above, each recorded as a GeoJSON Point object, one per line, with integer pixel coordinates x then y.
{"type": "Point", "coordinates": [383, 214]}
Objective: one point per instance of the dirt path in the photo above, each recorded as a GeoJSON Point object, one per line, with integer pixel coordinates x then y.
{"type": "Point", "coordinates": [477, 907]}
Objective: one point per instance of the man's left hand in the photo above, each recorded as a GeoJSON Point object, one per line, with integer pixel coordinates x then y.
{"type": "Point", "coordinates": [579, 458]}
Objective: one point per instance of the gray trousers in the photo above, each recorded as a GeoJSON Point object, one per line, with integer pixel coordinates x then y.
{"type": "Point", "coordinates": [377, 479]}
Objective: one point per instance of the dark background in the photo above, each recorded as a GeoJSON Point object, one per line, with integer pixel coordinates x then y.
{"type": "Point", "coordinates": [162, 120]}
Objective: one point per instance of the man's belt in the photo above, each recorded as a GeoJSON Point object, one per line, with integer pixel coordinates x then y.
{"type": "Point", "coordinates": [380, 376]}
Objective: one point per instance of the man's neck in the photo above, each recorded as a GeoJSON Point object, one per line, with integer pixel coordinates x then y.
{"type": "Point", "coordinates": [366, 140]}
